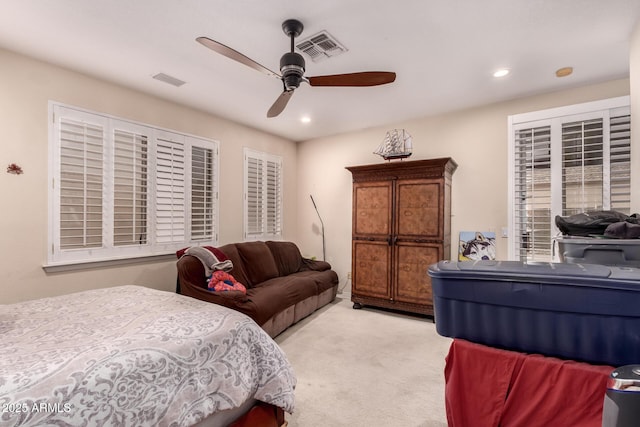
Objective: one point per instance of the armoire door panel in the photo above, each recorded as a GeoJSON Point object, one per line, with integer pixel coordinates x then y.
{"type": "Point", "coordinates": [413, 284]}
{"type": "Point", "coordinates": [372, 204]}
{"type": "Point", "coordinates": [371, 273]}
{"type": "Point", "coordinates": [418, 210]}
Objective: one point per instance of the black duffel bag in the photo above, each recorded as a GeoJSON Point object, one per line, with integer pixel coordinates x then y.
{"type": "Point", "coordinates": [590, 223]}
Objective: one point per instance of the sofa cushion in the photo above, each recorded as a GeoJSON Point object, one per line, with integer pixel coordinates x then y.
{"type": "Point", "coordinates": [315, 265]}
{"type": "Point", "coordinates": [287, 257]}
{"type": "Point", "coordinates": [258, 262]}
{"type": "Point", "coordinates": [324, 280]}
{"type": "Point", "coordinates": [275, 295]}
{"type": "Point", "coordinates": [238, 271]}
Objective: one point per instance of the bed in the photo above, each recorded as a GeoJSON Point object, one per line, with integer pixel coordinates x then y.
{"type": "Point", "coordinates": [134, 356]}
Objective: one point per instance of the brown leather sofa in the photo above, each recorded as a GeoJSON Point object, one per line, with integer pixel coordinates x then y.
{"type": "Point", "coordinates": [282, 286]}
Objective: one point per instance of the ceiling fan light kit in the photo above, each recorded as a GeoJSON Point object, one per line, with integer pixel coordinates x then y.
{"type": "Point", "coordinates": [292, 69]}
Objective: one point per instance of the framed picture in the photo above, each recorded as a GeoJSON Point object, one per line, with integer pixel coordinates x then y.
{"type": "Point", "coordinates": [477, 245]}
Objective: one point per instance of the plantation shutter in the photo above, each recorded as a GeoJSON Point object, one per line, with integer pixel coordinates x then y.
{"type": "Point", "coordinates": [582, 166]}
{"type": "Point", "coordinates": [254, 197]}
{"type": "Point", "coordinates": [596, 159]}
{"type": "Point", "coordinates": [80, 184]}
{"type": "Point", "coordinates": [532, 211]}
{"type": "Point", "coordinates": [203, 193]}
{"type": "Point", "coordinates": [263, 195]}
{"type": "Point", "coordinates": [121, 189]}
{"type": "Point", "coordinates": [130, 166]}
{"type": "Point", "coordinates": [567, 161]}
{"type": "Point", "coordinates": [273, 197]}
{"type": "Point", "coordinates": [620, 162]}
{"type": "Point", "coordinates": [170, 191]}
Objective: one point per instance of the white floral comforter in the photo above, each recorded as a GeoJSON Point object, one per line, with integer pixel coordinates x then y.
{"type": "Point", "coordinates": [133, 356]}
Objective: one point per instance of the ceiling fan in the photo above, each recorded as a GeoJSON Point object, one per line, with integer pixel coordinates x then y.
{"type": "Point", "coordinates": [292, 68]}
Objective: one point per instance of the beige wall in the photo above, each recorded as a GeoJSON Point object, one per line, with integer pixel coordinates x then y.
{"type": "Point", "coordinates": [476, 139]}
{"type": "Point", "coordinates": [26, 86]}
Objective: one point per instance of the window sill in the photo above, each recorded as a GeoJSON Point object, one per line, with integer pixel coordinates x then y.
{"type": "Point", "coordinates": [87, 265]}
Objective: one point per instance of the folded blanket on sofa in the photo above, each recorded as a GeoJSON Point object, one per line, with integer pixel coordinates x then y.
{"type": "Point", "coordinates": [209, 260]}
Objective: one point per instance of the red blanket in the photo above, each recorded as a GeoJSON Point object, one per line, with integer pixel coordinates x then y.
{"type": "Point", "coordinates": [489, 387]}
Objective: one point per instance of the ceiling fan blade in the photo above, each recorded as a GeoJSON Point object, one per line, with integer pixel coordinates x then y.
{"type": "Point", "coordinates": [280, 103]}
{"type": "Point", "coordinates": [235, 55]}
{"type": "Point", "coordinates": [367, 78]}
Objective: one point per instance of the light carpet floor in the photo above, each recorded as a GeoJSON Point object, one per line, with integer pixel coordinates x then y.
{"type": "Point", "coordinates": [367, 367]}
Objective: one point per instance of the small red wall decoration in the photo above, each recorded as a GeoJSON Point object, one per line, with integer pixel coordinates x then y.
{"type": "Point", "coordinates": [14, 169]}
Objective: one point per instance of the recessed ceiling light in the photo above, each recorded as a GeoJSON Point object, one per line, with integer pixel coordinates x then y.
{"type": "Point", "coordinates": [501, 72]}
{"type": "Point", "coordinates": [305, 119]}
{"type": "Point", "coordinates": [564, 71]}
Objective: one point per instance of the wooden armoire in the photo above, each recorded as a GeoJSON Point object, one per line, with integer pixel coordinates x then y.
{"type": "Point", "coordinates": [401, 225]}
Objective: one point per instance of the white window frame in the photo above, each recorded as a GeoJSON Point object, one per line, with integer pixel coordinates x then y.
{"type": "Point", "coordinates": [264, 231]}
{"type": "Point", "coordinates": [554, 118]}
{"type": "Point", "coordinates": [152, 245]}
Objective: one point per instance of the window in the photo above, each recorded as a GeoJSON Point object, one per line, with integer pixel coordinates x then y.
{"type": "Point", "coordinates": [262, 196]}
{"type": "Point", "coordinates": [566, 161]}
{"type": "Point", "coordinates": [122, 189]}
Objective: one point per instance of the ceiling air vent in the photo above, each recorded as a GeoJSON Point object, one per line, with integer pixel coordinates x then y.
{"type": "Point", "coordinates": [169, 79]}
{"type": "Point", "coordinates": [321, 46]}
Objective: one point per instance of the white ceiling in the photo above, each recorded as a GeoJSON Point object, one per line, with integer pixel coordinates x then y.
{"type": "Point", "coordinates": [443, 51]}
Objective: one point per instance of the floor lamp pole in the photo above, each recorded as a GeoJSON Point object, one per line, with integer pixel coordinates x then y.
{"type": "Point", "coordinates": [322, 224]}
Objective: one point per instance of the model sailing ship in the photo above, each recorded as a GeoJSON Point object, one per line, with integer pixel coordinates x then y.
{"type": "Point", "coordinates": [397, 144]}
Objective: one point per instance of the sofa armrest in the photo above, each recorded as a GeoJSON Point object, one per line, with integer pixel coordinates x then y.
{"type": "Point", "coordinates": [315, 265]}
{"type": "Point", "coordinates": [192, 282]}
{"type": "Point", "coordinates": [231, 299]}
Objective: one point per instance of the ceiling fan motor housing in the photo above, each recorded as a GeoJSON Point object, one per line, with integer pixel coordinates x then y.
{"type": "Point", "coordinates": [292, 69]}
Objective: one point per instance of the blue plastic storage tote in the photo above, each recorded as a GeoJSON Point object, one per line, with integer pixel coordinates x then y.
{"type": "Point", "coordinates": [581, 312]}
